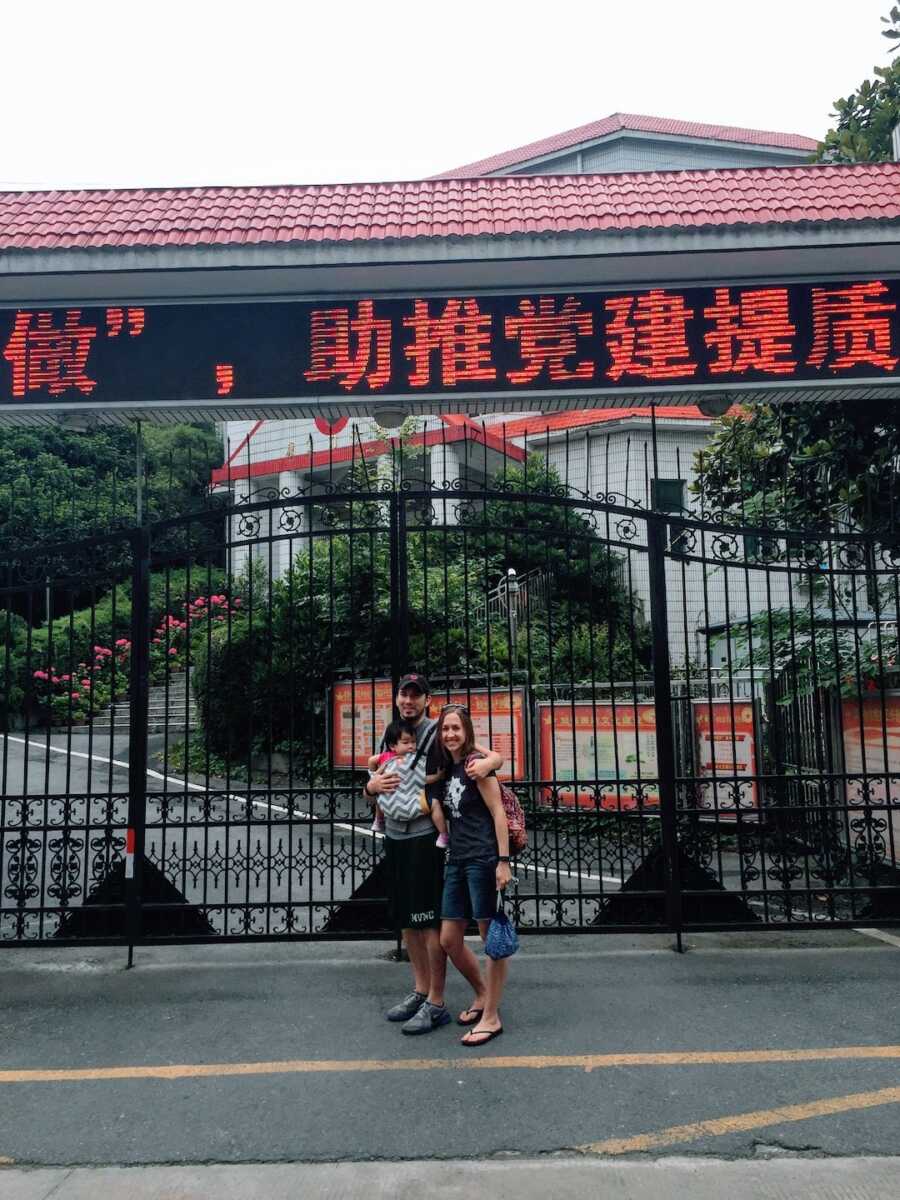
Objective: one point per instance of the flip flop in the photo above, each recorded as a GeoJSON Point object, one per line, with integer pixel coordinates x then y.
{"type": "Point", "coordinates": [490, 1034]}
{"type": "Point", "coordinates": [472, 1020]}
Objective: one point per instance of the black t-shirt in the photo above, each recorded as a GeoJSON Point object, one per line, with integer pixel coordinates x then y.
{"type": "Point", "coordinates": [471, 824]}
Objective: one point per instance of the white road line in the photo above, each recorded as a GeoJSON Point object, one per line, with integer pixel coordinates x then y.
{"type": "Point", "coordinates": [881, 936]}
{"type": "Point", "coordinates": [267, 804]}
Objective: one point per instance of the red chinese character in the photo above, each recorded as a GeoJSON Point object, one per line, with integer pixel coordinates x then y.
{"type": "Point", "coordinates": [44, 356]}
{"type": "Point", "coordinates": [548, 338]}
{"type": "Point", "coordinates": [115, 319]}
{"type": "Point", "coordinates": [852, 324]}
{"type": "Point", "coordinates": [343, 347]}
{"type": "Point", "coordinates": [224, 379]}
{"type": "Point", "coordinates": [753, 332]}
{"type": "Point", "coordinates": [647, 336]}
{"type": "Point", "coordinates": [462, 336]}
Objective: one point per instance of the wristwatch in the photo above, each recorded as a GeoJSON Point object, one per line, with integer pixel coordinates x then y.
{"type": "Point", "coordinates": [503, 858]}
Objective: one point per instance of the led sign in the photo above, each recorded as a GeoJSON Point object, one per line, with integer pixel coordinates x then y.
{"type": "Point", "coordinates": [449, 346]}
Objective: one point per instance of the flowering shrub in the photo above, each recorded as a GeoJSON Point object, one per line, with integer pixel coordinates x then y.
{"type": "Point", "coordinates": [75, 696]}
{"type": "Point", "coordinates": [171, 639]}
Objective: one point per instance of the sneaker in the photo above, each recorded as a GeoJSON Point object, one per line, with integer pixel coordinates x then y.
{"type": "Point", "coordinates": [407, 1007]}
{"type": "Point", "coordinates": [443, 841]}
{"type": "Point", "coordinates": [429, 1016]}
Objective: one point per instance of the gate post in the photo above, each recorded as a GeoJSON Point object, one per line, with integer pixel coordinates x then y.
{"type": "Point", "coordinates": [139, 698]}
{"type": "Point", "coordinates": [399, 591]}
{"type": "Point", "coordinates": [399, 616]}
{"type": "Point", "coordinates": [665, 735]}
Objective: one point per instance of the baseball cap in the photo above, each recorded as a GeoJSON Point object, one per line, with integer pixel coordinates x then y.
{"type": "Point", "coordinates": [417, 681]}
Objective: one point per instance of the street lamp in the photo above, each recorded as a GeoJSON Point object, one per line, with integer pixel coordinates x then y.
{"type": "Point", "coordinates": [512, 613]}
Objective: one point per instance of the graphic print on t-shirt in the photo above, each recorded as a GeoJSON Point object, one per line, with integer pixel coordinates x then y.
{"type": "Point", "coordinates": [455, 789]}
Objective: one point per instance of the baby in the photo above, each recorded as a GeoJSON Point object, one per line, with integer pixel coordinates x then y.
{"type": "Point", "coordinates": [400, 740]}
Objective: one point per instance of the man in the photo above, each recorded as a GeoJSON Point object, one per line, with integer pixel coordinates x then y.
{"type": "Point", "coordinates": [416, 872]}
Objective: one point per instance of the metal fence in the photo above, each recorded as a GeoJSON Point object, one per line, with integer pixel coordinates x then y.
{"type": "Point", "coordinates": [700, 720]}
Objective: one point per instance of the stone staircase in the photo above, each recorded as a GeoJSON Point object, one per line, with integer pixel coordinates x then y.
{"type": "Point", "coordinates": [171, 709]}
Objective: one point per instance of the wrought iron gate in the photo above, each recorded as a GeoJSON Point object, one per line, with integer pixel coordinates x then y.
{"type": "Point", "coordinates": [699, 720]}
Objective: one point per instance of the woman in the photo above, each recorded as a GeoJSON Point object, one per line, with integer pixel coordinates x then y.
{"type": "Point", "coordinates": [477, 868]}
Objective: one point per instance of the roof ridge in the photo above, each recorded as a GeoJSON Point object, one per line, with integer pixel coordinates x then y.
{"type": "Point", "coordinates": [636, 122]}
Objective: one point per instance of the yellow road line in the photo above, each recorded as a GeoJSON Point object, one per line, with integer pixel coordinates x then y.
{"type": "Point", "coordinates": [583, 1062]}
{"type": "Point", "coordinates": [744, 1121]}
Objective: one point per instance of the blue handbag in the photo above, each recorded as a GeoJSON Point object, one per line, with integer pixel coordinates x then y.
{"type": "Point", "coordinates": [502, 941]}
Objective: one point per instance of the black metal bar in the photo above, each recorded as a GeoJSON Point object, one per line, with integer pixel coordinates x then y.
{"type": "Point", "coordinates": [662, 698]}
{"type": "Point", "coordinates": [139, 696]}
{"type": "Point", "coordinates": [402, 585]}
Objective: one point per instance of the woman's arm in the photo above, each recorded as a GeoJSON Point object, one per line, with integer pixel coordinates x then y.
{"type": "Point", "coordinates": [490, 794]}
{"type": "Point", "coordinates": [434, 777]}
{"type": "Point", "coordinates": [481, 768]}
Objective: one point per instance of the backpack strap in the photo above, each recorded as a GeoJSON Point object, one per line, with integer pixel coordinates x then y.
{"type": "Point", "coordinates": [425, 747]}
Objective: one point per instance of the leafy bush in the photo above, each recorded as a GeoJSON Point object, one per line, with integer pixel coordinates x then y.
{"type": "Point", "coordinates": [70, 671]}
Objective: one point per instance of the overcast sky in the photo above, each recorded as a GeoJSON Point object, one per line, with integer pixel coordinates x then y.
{"type": "Point", "coordinates": [192, 92]}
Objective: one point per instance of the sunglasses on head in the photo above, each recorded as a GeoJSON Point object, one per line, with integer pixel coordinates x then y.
{"type": "Point", "coordinates": [460, 708]}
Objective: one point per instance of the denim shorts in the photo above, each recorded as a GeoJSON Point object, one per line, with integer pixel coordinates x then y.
{"type": "Point", "coordinates": [470, 890]}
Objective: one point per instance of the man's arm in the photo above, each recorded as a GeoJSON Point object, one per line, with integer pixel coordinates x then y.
{"type": "Point", "coordinates": [380, 784]}
{"type": "Point", "coordinates": [480, 768]}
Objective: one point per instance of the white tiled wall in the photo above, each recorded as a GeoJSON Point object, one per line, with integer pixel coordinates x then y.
{"type": "Point", "coordinates": [698, 596]}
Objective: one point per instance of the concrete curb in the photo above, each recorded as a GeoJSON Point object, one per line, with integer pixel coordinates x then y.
{"type": "Point", "coordinates": [558, 1177]}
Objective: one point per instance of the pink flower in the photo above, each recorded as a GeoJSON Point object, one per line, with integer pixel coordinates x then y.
{"type": "Point", "coordinates": [157, 641]}
{"type": "Point", "coordinates": [173, 651]}
{"type": "Point", "coordinates": [65, 678]}
{"type": "Point", "coordinates": [123, 642]}
{"type": "Point", "coordinates": [200, 601]}
{"type": "Point", "coordinates": [85, 683]}
{"type": "Point", "coordinates": [40, 674]}
{"type": "Point", "coordinates": [76, 695]}
{"type": "Point", "coordinates": [237, 603]}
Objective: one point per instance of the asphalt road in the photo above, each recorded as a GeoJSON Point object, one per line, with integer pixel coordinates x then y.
{"type": "Point", "coordinates": [281, 1053]}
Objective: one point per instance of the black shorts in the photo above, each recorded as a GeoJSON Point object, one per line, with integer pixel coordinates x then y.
{"type": "Point", "coordinates": [415, 881]}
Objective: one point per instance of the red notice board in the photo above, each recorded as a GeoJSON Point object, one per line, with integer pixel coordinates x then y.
{"type": "Point", "coordinates": [725, 738]}
{"type": "Point", "coordinates": [602, 745]}
{"type": "Point", "coordinates": [360, 709]}
{"type": "Point", "coordinates": [874, 743]}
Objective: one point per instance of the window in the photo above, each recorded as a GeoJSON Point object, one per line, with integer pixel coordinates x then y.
{"type": "Point", "coordinates": [667, 495]}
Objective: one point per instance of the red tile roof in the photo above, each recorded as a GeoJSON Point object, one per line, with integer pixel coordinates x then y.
{"type": "Point", "coordinates": [502, 206]}
{"type": "Point", "coordinates": [629, 121]}
{"type": "Point", "coordinates": [552, 423]}
{"type": "Point", "coordinates": [459, 429]}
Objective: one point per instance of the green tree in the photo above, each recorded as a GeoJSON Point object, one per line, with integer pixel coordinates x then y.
{"type": "Point", "coordinates": [55, 484]}
{"type": "Point", "coordinates": [865, 119]}
{"type": "Point", "coordinates": [804, 466]}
